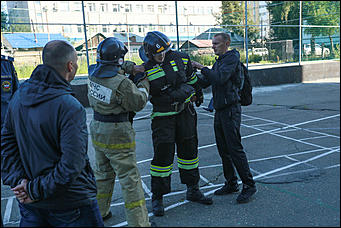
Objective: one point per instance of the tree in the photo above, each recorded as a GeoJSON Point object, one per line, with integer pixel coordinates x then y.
{"type": "Point", "coordinates": [4, 24]}
{"type": "Point", "coordinates": [233, 13]}
{"type": "Point", "coordinates": [284, 13]}
{"type": "Point", "coordinates": [322, 13]}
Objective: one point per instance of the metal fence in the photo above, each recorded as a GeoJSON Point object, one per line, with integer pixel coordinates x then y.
{"type": "Point", "coordinates": [280, 32]}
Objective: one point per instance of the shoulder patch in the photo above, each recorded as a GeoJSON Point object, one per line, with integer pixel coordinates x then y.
{"type": "Point", "coordinates": [100, 92]}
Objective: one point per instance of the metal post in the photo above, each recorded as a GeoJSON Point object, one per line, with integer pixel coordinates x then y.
{"type": "Point", "coordinates": [86, 39]}
{"type": "Point", "coordinates": [300, 38]}
{"type": "Point", "coordinates": [247, 59]}
{"type": "Point", "coordinates": [177, 25]}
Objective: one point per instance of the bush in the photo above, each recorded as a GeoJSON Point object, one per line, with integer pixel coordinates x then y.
{"type": "Point", "coordinates": [206, 60]}
{"type": "Point", "coordinates": [255, 58]}
{"type": "Point", "coordinates": [24, 72]}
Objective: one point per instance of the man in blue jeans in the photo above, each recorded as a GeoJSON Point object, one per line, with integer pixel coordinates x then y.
{"type": "Point", "coordinates": [44, 143]}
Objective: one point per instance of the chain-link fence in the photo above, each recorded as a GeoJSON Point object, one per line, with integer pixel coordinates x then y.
{"type": "Point", "coordinates": [265, 32]}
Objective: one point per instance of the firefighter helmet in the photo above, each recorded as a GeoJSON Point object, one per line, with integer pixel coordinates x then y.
{"type": "Point", "coordinates": [111, 51]}
{"type": "Point", "coordinates": [156, 43]}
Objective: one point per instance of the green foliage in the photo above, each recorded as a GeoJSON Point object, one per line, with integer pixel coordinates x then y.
{"type": "Point", "coordinates": [233, 13]}
{"type": "Point", "coordinates": [23, 71]}
{"type": "Point", "coordinates": [284, 13]}
{"type": "Point", "coordinates": [206, 60]}
{"type": "Point", "coordinates": [3, 21]}
{"type": "Point", "coordinates": [255, 58]}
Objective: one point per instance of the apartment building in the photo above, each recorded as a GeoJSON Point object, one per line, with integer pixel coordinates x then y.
{"type": "Point", "coordinates": [106, 17]}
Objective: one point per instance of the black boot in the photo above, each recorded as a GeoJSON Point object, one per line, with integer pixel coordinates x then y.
{"type": "Point", "coordinates": [157, 204]}
{"type": "Point", "coordinates": [194, 194]}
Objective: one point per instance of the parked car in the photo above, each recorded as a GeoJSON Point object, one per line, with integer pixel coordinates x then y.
{"type": "Point", "coordinates": [258, 51]}
{"type": "Point", "coordinates": [318, 50]}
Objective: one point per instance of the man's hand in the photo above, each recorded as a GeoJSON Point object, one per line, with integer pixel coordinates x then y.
{"type": "Point", "coordinates": [138, 69]}
{"type": "Point", "coordinates": [21, 193]}
{"type": "Point", "coordinates": [196, 65]}
{"type": "Point", "coordinates": [200, 98]}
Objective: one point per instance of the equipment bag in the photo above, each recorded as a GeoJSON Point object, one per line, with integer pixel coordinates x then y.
{"type": "Point", "coordinates": [245, 91]}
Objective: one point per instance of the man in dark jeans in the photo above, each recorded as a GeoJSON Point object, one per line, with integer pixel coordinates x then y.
{"type": "Point", "coordinates": [44, 143]}
{"type": "Point", "coordinates": [226, 101]}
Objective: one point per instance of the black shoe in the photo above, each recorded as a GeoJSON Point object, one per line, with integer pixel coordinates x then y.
{"type": "Point", "coordinates": [157, 204]}
{"type": "Point", "coordinates": [246, 193]}
{"type": "Point", "coordinates": [208, 109]}
{"type": "Point", "coordinates": [194, 194]}
{"type": "Point", "coordinates": [227, 189]}
{"type": "Point", "coordinates": [108, 216]}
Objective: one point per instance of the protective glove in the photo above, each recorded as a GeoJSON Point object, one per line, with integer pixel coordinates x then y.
{"type": "Point", "coordinates": [200, 97]}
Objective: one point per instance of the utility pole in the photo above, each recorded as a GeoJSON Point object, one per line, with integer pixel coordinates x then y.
{"type": "Point", "coordinates": [177, 25]}
{"type": "Point", "coordinates": [86, 39]}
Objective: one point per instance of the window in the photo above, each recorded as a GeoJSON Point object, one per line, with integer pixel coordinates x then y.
{"type": "Point", "coordinates": [150, 8]}
{"type": "Point", "coordinates": [127, 8]}
{"type": "Point", "coordinates": [161, 9]}
{"type": "Point", "coordinates": [116, 7]}
{"type": "Point", "coordinates": [105, 28]}
{"type": "Point", "coordinates": [77, 6]}
{"type": "Point", "coordinates": [79, 28]}
{"type": "Point", "coordinates": [64, 6]}
{"type": "Point", "coordinates": [91, 7]}
{"type": "Point", "coordinates": [139, 8]}
{"type": "Point", "coordinates": [104, 7]}
{"type": "Point", "coordinates": [67, 28]}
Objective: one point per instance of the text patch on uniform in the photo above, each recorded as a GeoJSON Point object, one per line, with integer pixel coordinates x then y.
{"type": "Point", "coordinates": [100, 92]}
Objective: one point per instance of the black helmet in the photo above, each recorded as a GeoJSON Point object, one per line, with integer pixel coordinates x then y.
{"type": "Point", "coordinates": [111, 51]}
{"type": "Point", "coordinates": [155, 43]}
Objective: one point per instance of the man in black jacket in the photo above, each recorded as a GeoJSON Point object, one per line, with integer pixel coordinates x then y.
{"type": "Point", "coordinates": [226, 101]}
{"type": "Point", "coordinates": [44, 146]}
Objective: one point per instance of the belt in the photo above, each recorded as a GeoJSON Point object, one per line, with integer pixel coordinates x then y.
{"type": "Point", "coordinates": [114, 118]}
{"type": "Point", "coordinates": [174, 107]}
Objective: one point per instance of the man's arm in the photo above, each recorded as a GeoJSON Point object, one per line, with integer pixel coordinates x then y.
{"type": "Point", "coordinates": [193, 80]}
{"type": "Point", "coordinates": [222, 74]}
{"type": "Point", "coordinates": [12, 170]}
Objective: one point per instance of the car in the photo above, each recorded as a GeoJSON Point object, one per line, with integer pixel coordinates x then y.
{"type": "Point", "coordinates": [318, 50]}
{"type": "Point", "coordinates": [259, 51]}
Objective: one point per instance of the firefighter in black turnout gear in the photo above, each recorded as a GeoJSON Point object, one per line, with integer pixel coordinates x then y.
{"type": "Point", "coordinates": [173, 88]}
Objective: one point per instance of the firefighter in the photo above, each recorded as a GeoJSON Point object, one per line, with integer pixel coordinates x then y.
{"type": "Point", "coordinates": [112, 96]}
{"type": "Point", "coordinates": [173, 88]}
{"type": "Point", "coordinates": [9, 83]}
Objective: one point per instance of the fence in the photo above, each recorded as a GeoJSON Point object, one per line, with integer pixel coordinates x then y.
{"type": "Point", "coordinates": [272, 32]}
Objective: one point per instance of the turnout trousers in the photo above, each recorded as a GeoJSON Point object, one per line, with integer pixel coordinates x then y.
{"type": "Point", "coordinates": [114, 145]}
{"type": "Point", "coordinates": [227, 133]}
{"type": "Point", "coordinates": [168, 131]}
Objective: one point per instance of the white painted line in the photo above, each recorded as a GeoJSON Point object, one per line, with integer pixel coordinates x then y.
{"type": "Point", "coordinates": [8, 210]}
{"type": "Point", "coordinates": [259, 125]}
{"type": "Point", "coordinates": [205, 180]}
{"type": "Point", "coordinates": [316, 137]}
{"type": "Point", "coordinates": [146, 189]}
{"type": "Point", "coordinates": [295, 164]}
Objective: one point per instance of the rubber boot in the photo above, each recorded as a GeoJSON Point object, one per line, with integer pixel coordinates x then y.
{"type": "Point", "coordinates": [157, 204]}
{"type": "Point", "coordinates": [194, 194]}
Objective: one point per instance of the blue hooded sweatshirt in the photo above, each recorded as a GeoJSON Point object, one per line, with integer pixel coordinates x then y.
{"type": "Point", "coordinates": [44, 139]}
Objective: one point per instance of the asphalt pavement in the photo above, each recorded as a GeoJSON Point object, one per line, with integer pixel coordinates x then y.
{"type": "Point", "coordinates": [291, 135]}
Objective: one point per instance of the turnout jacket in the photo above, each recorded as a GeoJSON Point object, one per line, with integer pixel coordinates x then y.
{"type": "Point", "coordinates": [172, 83]}
{"type": "Point", "coordinates": [45, 140]}
{"type": "Point", "coordinates": [223, 77]}
{"type": "Point", "coordinates": [112, 92]}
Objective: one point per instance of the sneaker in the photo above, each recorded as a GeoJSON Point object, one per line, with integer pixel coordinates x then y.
{"type": "Point", "coordinates": [108, 216]}
{"type": "Point", "coordinates": [246, 193]}
{"type": "Point", "coordinates": [227, 189]}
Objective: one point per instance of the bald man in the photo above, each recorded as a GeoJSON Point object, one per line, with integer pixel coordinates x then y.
{"type": "Point", "coordinates": [44, 146]}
